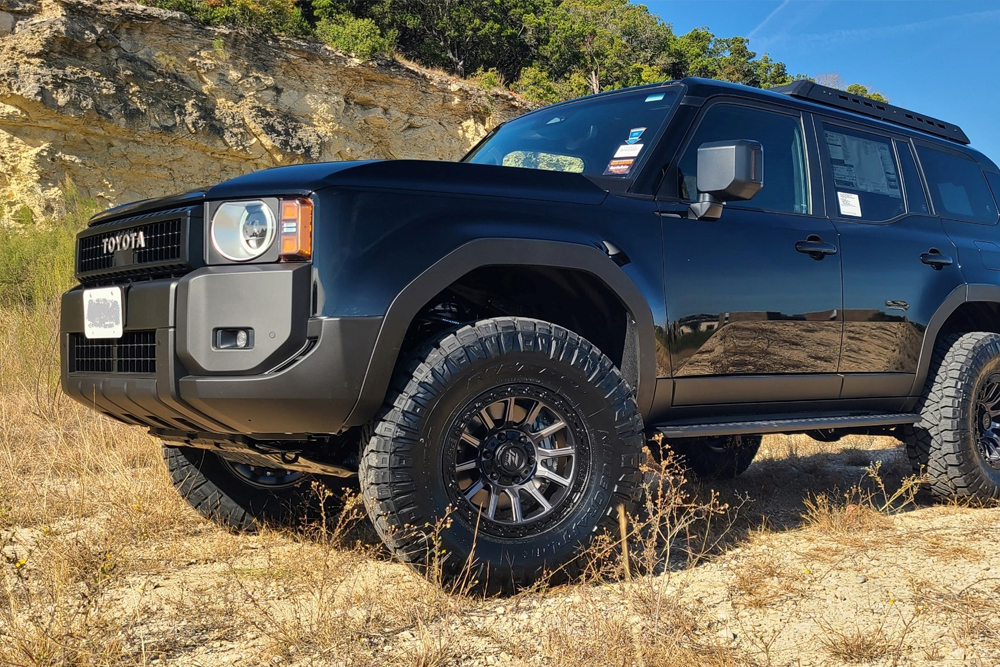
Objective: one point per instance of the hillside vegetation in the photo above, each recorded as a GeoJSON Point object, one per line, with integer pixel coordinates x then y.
{"type": "Point", "coordinates": [547, 50]}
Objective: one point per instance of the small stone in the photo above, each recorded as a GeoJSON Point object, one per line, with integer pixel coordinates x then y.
{"type": "Point", "coordinates": [726, 634]}
{"type": "Point", "coordinates": [524, 616]}
{"type": "Point", "coordinates": [957, 654]}
{"type": "Point", "coordinates": [986, 568]}
{"type": "Point", "coordinates": [6, 23]}
{"type": "Point", "coordinates": [861, 579]}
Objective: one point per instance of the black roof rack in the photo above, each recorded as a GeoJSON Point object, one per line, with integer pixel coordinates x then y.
{"type": "Point", "coordinates": [807, 90]}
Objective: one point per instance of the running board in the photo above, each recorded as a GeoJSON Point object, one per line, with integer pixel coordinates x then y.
{"type": "Point", "coordinates": [783, 425]}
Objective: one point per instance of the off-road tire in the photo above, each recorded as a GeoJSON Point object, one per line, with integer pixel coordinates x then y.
{"type": "Point", "coordinates": [943, 445]}
{"type": "Point", "coordinates": [212, 489]}
{"type": "Point", "coordinates": [402, 472]}
{"type": "Point", "coordinates": [714, 458]}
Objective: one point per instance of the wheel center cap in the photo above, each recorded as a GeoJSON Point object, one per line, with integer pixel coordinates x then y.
{"type": "Point", "coordinates": [510, 459]}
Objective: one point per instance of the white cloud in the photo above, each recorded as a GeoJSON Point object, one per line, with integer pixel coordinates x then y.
{"type": "Point", "coordinates": [768, 18]}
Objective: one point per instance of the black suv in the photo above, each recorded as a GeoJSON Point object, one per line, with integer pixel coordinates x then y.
{"type": "Point", "coordinates": [495, 339]}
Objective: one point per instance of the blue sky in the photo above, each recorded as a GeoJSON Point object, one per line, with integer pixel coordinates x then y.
{"type": "Point", "coordinates": [938, 57]}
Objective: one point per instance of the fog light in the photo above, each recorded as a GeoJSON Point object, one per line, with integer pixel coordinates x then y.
{"type": "Point", "coordinates": [234, 339]}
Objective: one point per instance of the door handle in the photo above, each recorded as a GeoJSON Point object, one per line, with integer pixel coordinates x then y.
{"type": "Point", "coordinates": [934, 259]}
{"type": "Point", "coordinates": [815, 247]}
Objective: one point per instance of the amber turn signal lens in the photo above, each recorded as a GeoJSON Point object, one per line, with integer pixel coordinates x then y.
{"type": "Point", "coordinates": [296, 229]}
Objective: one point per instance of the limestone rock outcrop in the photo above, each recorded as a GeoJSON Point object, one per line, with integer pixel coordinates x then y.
{"type": "Point", "coordinates": [128, 101]}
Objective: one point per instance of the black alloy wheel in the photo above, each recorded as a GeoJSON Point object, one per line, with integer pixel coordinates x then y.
{"type": "Point", "coordinates": [515, 459]}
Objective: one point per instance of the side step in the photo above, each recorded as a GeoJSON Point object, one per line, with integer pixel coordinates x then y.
{"type": "Point", "coordinates": [782, 425]}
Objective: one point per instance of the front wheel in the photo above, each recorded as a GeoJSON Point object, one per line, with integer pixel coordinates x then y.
{"type": "Point", "coordinates": [520, 433]}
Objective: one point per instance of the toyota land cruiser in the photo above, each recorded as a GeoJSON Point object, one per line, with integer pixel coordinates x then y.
{"type": "Point", "coordinates": [497, 337]}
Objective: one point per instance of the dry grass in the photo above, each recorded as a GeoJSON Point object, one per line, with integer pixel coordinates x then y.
{"type": "Point", "coordinates": [103, 564]}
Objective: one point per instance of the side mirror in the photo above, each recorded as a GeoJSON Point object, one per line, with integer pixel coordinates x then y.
{"type": "Point", "coordinates": [727, 171]}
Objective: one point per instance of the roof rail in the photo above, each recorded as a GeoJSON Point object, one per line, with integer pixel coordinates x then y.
{"type": "Point", "coordinates": [807, 90]}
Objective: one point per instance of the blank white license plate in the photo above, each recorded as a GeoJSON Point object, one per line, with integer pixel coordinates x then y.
{"type": "Point", "coordinates": [102, 313]}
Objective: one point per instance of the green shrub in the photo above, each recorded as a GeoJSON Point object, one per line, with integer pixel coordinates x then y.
{"type": "Point", "coordinates": [282, 17]}
{"type": "Point", "coordinates": [37, 257]}
{"type": "Point", "coordinates": [489, 79]}
{"type": "Point", "coordinates": [359, 37]}
{"type": "Point", "coordinates": [537, 86]}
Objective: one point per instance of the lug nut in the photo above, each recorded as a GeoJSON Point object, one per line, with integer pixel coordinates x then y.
{"type": "Point", "coordinates": [503, 437]}
{"type": "Point", "coordinates": [524, 439]}
{"type": "Point", "coordinates": [487, 455]}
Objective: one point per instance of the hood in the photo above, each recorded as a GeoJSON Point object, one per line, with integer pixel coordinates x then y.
{"type": "Point", "coordinates": [460, 178]}
{"type": "Point", "coordinates": [457, 178]}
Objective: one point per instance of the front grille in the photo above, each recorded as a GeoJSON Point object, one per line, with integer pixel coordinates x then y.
{"type": "Point", "coordinates": [135, 352]}
{"type": "Point", "coordinates": [161, 243]}
{"type": "Point", "coordinates": [145, 246]}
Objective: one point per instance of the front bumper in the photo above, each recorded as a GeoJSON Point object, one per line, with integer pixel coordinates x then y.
{"type": "Point", "coordinates": [303, 376]}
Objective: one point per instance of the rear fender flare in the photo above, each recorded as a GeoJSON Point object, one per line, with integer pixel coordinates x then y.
{"type": "Point", "coordinates": [960, 295]}
{"type": "Point", "coordinates": [494, 252]}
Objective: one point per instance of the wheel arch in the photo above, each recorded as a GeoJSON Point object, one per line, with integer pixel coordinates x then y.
{"type": "Point", "coordinates": [967, 308]}
{"type": "Point", "coordinates": [487, 252]}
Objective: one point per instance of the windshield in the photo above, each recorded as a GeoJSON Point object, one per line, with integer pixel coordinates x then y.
{"type": "Point", "coordinates": [599, 136]}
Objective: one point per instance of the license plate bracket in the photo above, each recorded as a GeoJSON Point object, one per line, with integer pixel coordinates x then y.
{"type": "Point", "coordinates": [103, 313]}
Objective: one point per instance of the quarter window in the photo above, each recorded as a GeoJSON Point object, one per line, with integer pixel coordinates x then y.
{"type": "Point", "coordinates": [994, 181]}
{"type": "Point", "coordinates": [958, 186]}
{"type": "Point", "coordinates": [865, 174]}
{"type": "Point", "coordinates": [786, 177]}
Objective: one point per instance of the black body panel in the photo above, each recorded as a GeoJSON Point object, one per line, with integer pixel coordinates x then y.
{"type": "Point", "coordinates": [804, 314]}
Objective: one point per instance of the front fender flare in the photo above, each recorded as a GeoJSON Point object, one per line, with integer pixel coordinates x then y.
{"type": "Point", "coordinates": [494, 252]}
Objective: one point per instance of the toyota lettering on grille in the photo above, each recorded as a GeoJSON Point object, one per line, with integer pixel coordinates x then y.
{"type": "Point", "coordinates": [124, 241]}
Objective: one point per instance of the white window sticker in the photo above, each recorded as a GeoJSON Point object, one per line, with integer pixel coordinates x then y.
{"type": "Point", "coordinates": [628, 150]}
{"type": "Point", "coordinates": [863, 164]}
{"type": "Point", "coordinates": [850, 204]}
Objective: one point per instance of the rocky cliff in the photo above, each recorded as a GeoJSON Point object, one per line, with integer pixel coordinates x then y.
{"type": "Point", "coordinates": [129, 101]}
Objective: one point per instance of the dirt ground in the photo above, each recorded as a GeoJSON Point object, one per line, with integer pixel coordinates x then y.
{"type": "Point", "coordinates": [821, 554]}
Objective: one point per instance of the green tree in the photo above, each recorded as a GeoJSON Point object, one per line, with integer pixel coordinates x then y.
{"type": "Point", "coordinates": [858, 89]}
{"type": "Point", "coordinates": [463, 36]}
{"type": "Point", "coordinates": [700, 53]}
{"type": "Point", "coordinates": [605, 44]}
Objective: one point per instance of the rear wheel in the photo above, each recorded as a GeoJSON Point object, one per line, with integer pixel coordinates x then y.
{"type": "Point", "coordinates": [722, 457]}
{"type": "Point", "coordinates": [956, 443]}
{"type": "Point", "coordinates": [518, 431]}
{"type": "Point", "coordinates": [236, 495]}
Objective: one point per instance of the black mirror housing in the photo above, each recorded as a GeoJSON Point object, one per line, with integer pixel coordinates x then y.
{"type": "Point", "coordinates": [731, 170]}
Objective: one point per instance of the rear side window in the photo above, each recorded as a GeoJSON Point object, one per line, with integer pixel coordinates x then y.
{"type": "Point", "coordinates": [958, 186]}
{"type": "Point", "coordinates": [865, 174]}
{"type": "Point", "coordinates": [786, 177]}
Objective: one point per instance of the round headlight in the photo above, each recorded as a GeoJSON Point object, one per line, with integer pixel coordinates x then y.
{"type": "Point", "coordinates": [243, 230]}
